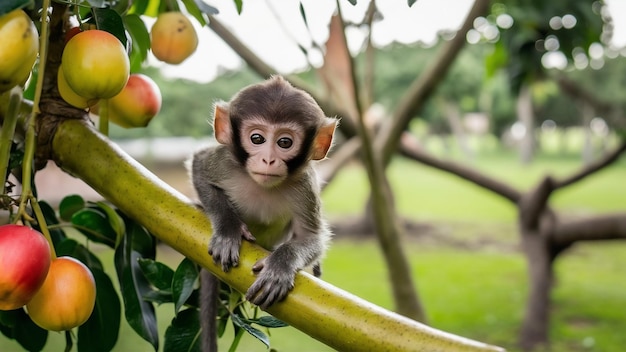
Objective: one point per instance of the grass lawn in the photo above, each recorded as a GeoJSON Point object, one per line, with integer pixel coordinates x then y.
{"type": "Point", "coordinates": [475, 285]}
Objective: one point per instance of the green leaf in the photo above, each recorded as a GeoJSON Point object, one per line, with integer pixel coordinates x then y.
{"type": "Point", "coordinates": [70, 205]}
{"type": "Point", "coordinates": [17, 156]}
{"type": "Point", "coordinates": [303, 15]}
{"type": "Point", "coordinates": [70, 247]}
{"type": "Point", "coordinates": [184, 279]}
{"type": "Point", "coordinates": [352, 2]}
{"type": "Point", "coordinates": [23, 330]}
{"type": "Point", "coordinates": [260, 335]}
{"type": "Point", "coordinates": [183, 335]}
{"type": "Point", "coordinates": [108, 20]}
{"type": "Point", "coordinates": [29, 92]}
{"type": "Point", "coordinates": [193, 10]}
{"type": "Point", "coordinates": [7, 6]}
{"type": "Point", "coordinates": [140, 41]}
{"type": "Point", "coordinates": [269, 321]}
{"type": "Point", "coordinates": [115, 220]}
{"type": "Point", "coordinates": [159, 297]}
{"type": "Point", "coordinates": [410, 2]}
{"type": "Point", "coordinates": [139, 7]}
{"type": "Point", "coordinates": [239, 4]}
{"type": "Point", "coordinates": [158, 274]}
{"type": "Point", "coordinates": [97, 3]}
{"type": "Point", "coordinates": [94, 224]}
{"type": "Point", "coordinates": [100, 331]}
{"type": "Point", "coordinates": [139, 314]}
{"type": "Point", "coordinates": [57, 234]}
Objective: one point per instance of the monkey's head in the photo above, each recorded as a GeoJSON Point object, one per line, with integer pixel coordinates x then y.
{"type": "Point", "coordinates": [273, 130]}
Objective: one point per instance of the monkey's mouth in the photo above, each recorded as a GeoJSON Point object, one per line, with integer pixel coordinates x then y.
{"type": "Point", "coordinates": [263, 174]}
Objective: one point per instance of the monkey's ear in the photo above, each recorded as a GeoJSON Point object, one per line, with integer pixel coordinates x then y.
{"type": "Point", "coordinates": [221, 124]}
{"type": "Point", "coordinates": [324, 139]}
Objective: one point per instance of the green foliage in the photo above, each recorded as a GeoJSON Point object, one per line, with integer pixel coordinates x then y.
{"type": "Point", "coordinates": [521, 47]}
{"type": "Point", "coordinates": [7, 6]}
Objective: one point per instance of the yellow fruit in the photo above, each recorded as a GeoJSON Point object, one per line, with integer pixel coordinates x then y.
{"type": "Point", "coordinates": [173, 38]}
{"type": "Point", "coordinates": [95, 64]}
{"type": "Point", "coordinates": [18, 48]}
{"type": "Point", "coordinates": [69, 95]}
{"type": "Point", "coordinates": [66, 298]}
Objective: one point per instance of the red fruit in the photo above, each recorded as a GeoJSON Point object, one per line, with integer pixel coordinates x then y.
{"type": "Point", "coordinates": [24, 264]}
{"type": "Point", "coordinates": [137, 103]}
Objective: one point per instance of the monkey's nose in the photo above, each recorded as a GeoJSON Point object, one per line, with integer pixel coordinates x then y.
{"type": "Point", "coordinates": [271, 161]}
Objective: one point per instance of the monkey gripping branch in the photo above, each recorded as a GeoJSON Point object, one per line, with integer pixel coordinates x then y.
{"type": "Point", "coordinates": [326, 313]}
{"type": "Point", "coordinates": [66, 136]}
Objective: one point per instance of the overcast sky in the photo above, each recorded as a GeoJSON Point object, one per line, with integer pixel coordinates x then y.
{"type": "Point", "coordinates": [258, 27]}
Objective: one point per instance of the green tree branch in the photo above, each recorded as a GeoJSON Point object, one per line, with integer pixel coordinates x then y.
{"type": "Point", "coordinates": [334, 317]}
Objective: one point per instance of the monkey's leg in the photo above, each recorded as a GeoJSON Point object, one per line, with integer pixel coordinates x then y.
{"type": "Point", "coordinates": [209, 296]}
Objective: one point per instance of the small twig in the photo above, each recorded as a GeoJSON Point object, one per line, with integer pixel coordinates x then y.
{"type": "Point", "coordinates": [41, 220]}
{"type": "Point", "coordinates": [7, 131]}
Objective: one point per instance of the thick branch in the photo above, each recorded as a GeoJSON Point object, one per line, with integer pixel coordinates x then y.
{"type": "Point", "coordinates": [577, 93]}
{"type": "Point", "coordinates": [533, 203]}
{"type": "Point", "coordinates": [424, 85]}
{"type": "Point", "coordinates": [605, 227]}
{"type": "Point", "coordinates": [480, 179]}
{"type": "Point", "coordinates": [326, 313]}
{"type": "Point", "coordinates": [591, 168]}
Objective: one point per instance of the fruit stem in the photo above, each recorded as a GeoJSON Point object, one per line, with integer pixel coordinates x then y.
{"type": "Point", "coordinates": [41, 220]}
{"type": "Point", "coordinates": [7, 131]}
{"type": "Point", "coordinates": [103, 122]}
{"type": "Point", "coordinates": [30, 140]}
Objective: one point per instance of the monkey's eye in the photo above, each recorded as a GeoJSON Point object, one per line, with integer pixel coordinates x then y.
{"type": "Point", "coordinates": [257, 139]}
{"type": "Point", "coordinates": [285, 142]}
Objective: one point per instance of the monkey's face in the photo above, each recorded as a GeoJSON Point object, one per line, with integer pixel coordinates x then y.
{"type": "Point", "coordinates": [270, 147]}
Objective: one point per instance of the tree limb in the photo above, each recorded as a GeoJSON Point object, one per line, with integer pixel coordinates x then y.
{"type": "Point", "coordinates": [423, 86]}
{"type": "Point", "coordinates": [326, 313]}
{"type": "Point", "coordinates": [410, 150]}
{"type": "Point", "coordinates": [591, 168]}
{"type": "Point", "coordinates": [604, 227]}
{"type": "Point", "coordinates": [328, 168]}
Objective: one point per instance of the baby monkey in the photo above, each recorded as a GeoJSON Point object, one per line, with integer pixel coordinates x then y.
{"type": "Point", "coordinates": [258, 184]}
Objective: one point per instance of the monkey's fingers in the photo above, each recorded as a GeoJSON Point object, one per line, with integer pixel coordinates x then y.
{"type": "Point", "coordinates": [258, 266]}
{"type": "Point", "coordinates": [246, 234]}
{"type": "Point", "coordinates": [225, 252]}
{"type": "Point", "coordinates": [269, 289]}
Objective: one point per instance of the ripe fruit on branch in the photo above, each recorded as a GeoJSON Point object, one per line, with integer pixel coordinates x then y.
{"type": "Point", "coordinates": [70, 96]}
{"type": "Point", "coordinates": [95, 64]}
{"type": "Point", "coordinates": [24, 264]}
{"type": "Point", "coordinates": [173, 38]}
{"type": "Point", "coordinates": [18, 48]}
{"type": "Point", "coordinates": [66, 298]}
{"type": "Point", "coordinates": [137, 103]}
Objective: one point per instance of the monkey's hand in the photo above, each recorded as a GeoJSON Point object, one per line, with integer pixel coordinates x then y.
{"type": "Point", "coordinates": [272, 285]}
{"type": "Point", "coordinates": [224, 246]}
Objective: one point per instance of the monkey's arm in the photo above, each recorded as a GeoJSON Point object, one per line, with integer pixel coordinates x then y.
{"type": "Point", "coordinates": [228, 228]}
{"type": "Point", "coordinates": [276, 272]}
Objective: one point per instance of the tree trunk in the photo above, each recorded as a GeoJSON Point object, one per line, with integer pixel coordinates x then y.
{"type": "Point", "coordinates": [453, 115]}
{"type": "Point", "coordinates": [587, 152]}
{"type": "Point", "coordinates": [525, 116]}
{"type": "Point", "coordinates": [534, 332]}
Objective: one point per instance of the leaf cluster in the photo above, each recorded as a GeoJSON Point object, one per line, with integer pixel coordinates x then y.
{"type": "Point", "coordinates": [143, 282]}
